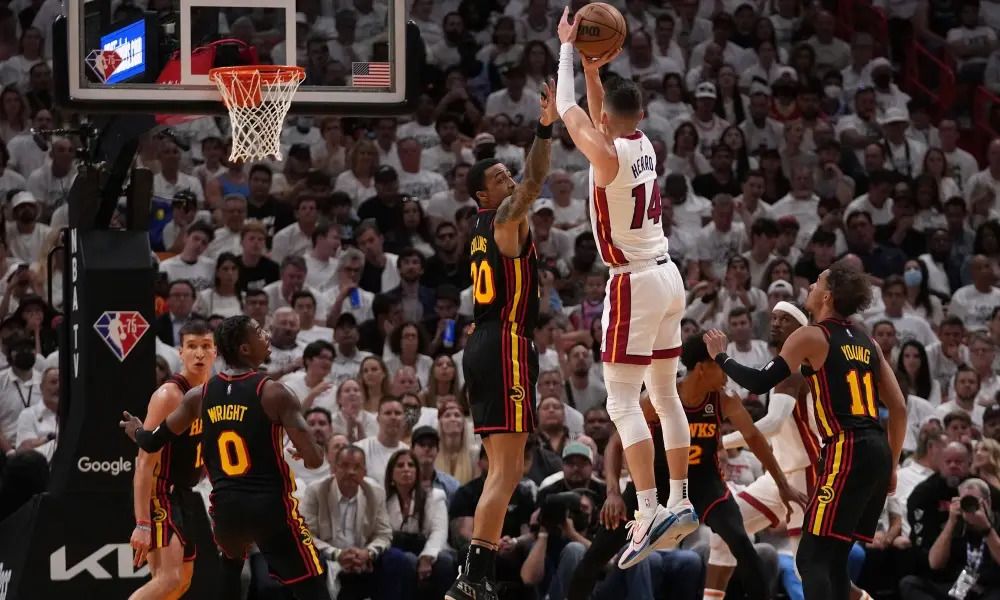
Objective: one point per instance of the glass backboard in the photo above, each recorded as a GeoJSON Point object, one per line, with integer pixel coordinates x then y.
{"type": "Point", "coordinates": [154, 55]}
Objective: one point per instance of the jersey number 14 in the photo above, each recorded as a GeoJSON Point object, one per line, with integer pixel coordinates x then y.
{"type": "Point", "coordinates": [642, 211]}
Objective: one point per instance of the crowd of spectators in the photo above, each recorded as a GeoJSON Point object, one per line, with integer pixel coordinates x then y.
{"type": "Point", "coordinates": [780, 147]}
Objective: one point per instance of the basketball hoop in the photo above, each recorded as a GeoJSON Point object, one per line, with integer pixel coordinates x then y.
{"type": "Point", "coordinates": [258, 98]}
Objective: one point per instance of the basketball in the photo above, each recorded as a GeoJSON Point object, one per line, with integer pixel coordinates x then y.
{"type": "Point", "coordinates": [602, 28]}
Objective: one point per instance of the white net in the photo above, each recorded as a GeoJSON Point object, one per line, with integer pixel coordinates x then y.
{"type": "Point", "coordinates": [258, 100]}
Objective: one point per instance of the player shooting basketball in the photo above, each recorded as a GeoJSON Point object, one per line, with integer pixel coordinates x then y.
{"type": "Point", "coordinates": [500, 362]}
{"type": "Point", "coordinates": [641, 340]}
{"type": "Point", "coordinates": [163, 479]}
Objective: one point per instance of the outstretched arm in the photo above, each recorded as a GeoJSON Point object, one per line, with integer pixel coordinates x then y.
{"type": "Point", "coordinates": [280, 403]}
{"type": "Point", "coordinates": [805, 344]}
{"type": "Point", "coordinates": [779, 408]}
{"type": "Point", "coordinates": [176, 423]}
{"type": "Point", "coordinates": [592, 143]}
{"type": "Point", "coordinates": [510, 227]}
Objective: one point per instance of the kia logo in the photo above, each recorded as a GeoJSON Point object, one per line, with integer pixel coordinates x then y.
{"type": "Point", "coordinates": [114, 467]}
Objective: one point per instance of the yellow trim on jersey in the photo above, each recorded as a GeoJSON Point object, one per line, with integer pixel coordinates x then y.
{"type": "Point", "coordinates": [157, 524]}
{"type": "Point", "coordinates": [818, 403]}
{"type": "Point", "coordinates": [830, 478]}
{"type": "Point", "coordinates": [514, 347]}
{"type": "Point", "coordinates": [616, 319]}
{"type": "Point", "coordinates": [311, 546]}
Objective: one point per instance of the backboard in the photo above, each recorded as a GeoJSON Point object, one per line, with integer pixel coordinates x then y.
{"type": "Point", "coordinates": [128, 59]}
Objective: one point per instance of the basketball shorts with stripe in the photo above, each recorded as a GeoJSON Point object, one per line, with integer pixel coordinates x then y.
{"type": "Point", "coordinates": [167, 518]}
{"type": "Point", "coordinates": [642, 315]}
{"type": "Point", "coordinates": [851, 486]}
{"type": "Point", "coordinates": [272, 522]}
{"type": "Point", "coordinates": [501, 370]}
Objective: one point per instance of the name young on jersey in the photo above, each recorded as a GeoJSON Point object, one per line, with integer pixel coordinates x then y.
{"type": "Point", "coordinates": [857, 353]}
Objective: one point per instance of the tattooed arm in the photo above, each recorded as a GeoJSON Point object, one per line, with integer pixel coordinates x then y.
{"type": "Point", "coordinates": [510, 227]}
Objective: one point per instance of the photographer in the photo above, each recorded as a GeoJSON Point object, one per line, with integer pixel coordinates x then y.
{"type": "Point", "coordinates": [966, 554]}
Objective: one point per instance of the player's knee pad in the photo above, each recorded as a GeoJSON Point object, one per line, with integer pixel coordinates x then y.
{"type": "Point", "coordinates": [624, 383]}
{"type": "Point", "coordinates": [721, 555]}
{"type": "Point", "coordinates": [662, 386]}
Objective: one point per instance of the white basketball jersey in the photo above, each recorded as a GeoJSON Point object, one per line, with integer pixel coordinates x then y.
{"type": "Point", "coordinates": [797, 443]}
{"type": "Point", "coordinates": [625, 215]}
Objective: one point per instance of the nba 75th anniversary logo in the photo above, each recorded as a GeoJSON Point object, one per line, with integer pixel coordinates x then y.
{"type": "Point", "coordinates": [121, 330]}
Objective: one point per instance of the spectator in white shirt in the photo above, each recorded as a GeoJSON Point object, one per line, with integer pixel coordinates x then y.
{"type": "Point", "coordinates": [18, 388]}
{"type": "Point", "coordinates": [304, 304]}
{"type": "Point", "coordinates": [420, 515]}
{"type": "Point", "coordinates": [37, 426]}
{"type": "Point", "coordinates": [449, 149]}
{"type": "Point", "coordinates": [966, 391]}
{"type": "Point", "coordinates": [908, 326]}
{"type": "Point", "coordinates": [831, 51]}
{"type": "Point", "coordinates": [51, 182]}
{"type": "Point", "coordinates": [321, 261]}
{"type": "Point", "coordinates": [347, 363]}
{"type": "Point", "coordinates": [346, 296]}
{"type": "Point", "coordinates": [860, 129]}
{"type": "Point", "coordinates": [570, 213]}
{"type": "Point", "coordinates": [387, 441]}
{"type": "Point", "coordinates": [286, 350]}
{"type": "Point", "coordinates": [29, 151]}
{"type": "Point", "coordinates": [25, 235]}
{"type": "Point", "coordinates": [414, 179]}
{"type": "Point", "coordinates": [720, 239]}
{"type": "Point", "coordinates": [643, 63]}
{"type": "Point", "coordinates": [223, 298]}
{"type": "Point", "coordinates": [191, 264]}
{"type": "Point", "coordinates": [801, 202]}
{"type": "Point", "coordinates": [971, 43]}
{"type": "Point", "coordinates": [296, 239]}
{"type": "Point", "coordinates": [961, 165]}
{"type": "Point", "coordinates": [443, 205]}
{"type": "Point", "coordinates": [878, 201]}
{"type": "Point", "coordinates": [358, 180]}
{"type": "Point", "coordinates": [293, 279]}
{"type": "Point", "coordinates": [988, 177]}
{"type": "Point", "coordinates": [509, 154]}
{"type": "Point", "coordinates": [170, 179]}
{"type": "Point", "coordinates": [311, 384]}
{"type": "Point", "coordinates": [445, 53]}
{"type": "Point", "coordinates": [227, 237]}
{"type": "Point", "coordinates": [975, 303]}
{"type": "Point", "coordinates": [905, 156]}
{"type": "Point", "coordinates": [742, 347]}
{"type": "Point", "coordinates": [514, 99]}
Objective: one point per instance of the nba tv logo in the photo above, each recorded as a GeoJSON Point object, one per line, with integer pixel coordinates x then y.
{"type": "Point", "coordinates": [121, 330]}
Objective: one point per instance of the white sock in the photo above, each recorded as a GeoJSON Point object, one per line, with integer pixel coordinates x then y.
{"type": "Point", "coordinates": [647, 503]}
{"type": "Point", "coordinates": [711, 594]}
{"type": "Point", "coordinates": [678, 491]}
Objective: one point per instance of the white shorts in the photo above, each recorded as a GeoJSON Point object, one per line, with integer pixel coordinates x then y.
{"type": "Point", "coordinates": [642, 313]}
{"type": "Point", "coordinates": [761, 507]}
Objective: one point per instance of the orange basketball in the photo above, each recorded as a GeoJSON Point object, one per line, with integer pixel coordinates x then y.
{"type": "Point", "coordinates": [602, 28]}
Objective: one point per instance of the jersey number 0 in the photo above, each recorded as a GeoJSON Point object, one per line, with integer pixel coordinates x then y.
{"type": "Point", "coordinates": [482, 283]}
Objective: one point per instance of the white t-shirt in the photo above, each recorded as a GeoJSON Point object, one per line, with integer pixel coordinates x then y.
{"type": "Point", "coordinates": [717, 247]}
{"type": "Point", "coordinates": [521, 111]}
{"type": "Point", "coordinates": [976, 414]}
{"type": "Point", "coordinates": [36, 421]}
{"type": "Point", "coordinates": [443, 205]}
{"type": "Point", "coordinates": [972, 38]}
{"type": "Point", "coordinates": [290, 241]}
{"type": "Point", "coordinates": [320, 275]}
{"type": "Point", "coordinates": [210, 303]}
{"type": "Point", "coordinates": [27, 247]}
{"type": "Point", "coordinates": [315, 333]}
{"type": "Point", "coordinates": [880, 216]}
{"type": "Point", "coordinates": [166, 190]}
{"type": "Point", "coordinates": [757, 356]}
{"type": "Point", "coordinates": [201, 273]}
{"type": "Point", "coordinates": [908, 327]}
{"type": "Point", "coordinates": [804, 211]}
{"type": "Point", "coordinates": [421, 185]}
{"type": "Point", "coordinates": [16, 395]}
{"type": "Point", "coordinates": [442, 161]}
{"type": "Point", "coordinates": [377, 456]}
{"type": "Point", "coordinates": [974, 307]}
{"type": "Point", "coordinates": [297, 383]}
{"type": "Point", "coordinates": [25, 155]}
{"type": "Point", "coordinates": [425, 134]}
{"type": "Point", "coordinates": [349, 184]}
{"type": "Point", "coordinates": [224, 240]}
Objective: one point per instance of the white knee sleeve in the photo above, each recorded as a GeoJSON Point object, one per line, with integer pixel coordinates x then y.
{"type": "Point", "coordinates": [720, 555]}
{"type": "Point", "coordinates": [661, 381]}
{"type": "Point", "coordinates": [624, 383]}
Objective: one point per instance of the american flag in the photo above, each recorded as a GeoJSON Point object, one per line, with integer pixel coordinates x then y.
{"type": "Point", "coordinates": [370, 74]}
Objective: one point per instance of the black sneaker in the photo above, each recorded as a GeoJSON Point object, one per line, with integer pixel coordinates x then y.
{"type": "Point", "coordinates": [463, 589]}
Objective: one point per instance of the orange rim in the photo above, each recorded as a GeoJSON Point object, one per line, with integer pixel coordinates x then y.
{"type": "Point", "coordinates": [267, 73]}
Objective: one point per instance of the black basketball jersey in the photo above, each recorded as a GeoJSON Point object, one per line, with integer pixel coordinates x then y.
{"type": "Point", "coordinates": [845, 387]}
{"type": "Point", "coordinates": [504, 290]}
{"type": "Point", "coordinates": [705, 425]}
{"type": "Point", "coordinates": [242, 446]}
{"type": "Point", "coordinates": [180, 460]}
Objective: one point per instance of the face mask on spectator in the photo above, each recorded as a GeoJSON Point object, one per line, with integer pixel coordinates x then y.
{"type": "Point", "coordinates": [23, 359]}
{"type": "Point", "coordinates": [913, 278]}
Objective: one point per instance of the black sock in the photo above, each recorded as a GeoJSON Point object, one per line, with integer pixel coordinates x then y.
{"type": "Point", "coordinates": [230, 572]}
{"type": "Point", "coordinates": [481, 562]}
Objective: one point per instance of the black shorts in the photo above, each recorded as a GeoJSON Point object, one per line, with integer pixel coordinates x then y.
{"type": "Point", "coordinates": [272, 523]}
{"type": "Point", "coordinates": [851, 486]}
{"type": "Point", "coordinates": [167, 516]}
{"type": "Point", "coordinates": [706, 492]}
{"type": "Point", "coordinates": [501, 369]}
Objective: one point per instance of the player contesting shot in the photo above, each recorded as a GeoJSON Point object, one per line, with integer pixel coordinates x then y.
{"type": "Point", "coordinates": [706, 404]}
{"type": "Point", "coordinates": [641, 339]}
{"type": "Point", "coordinates": [849, 378]}
{"type": "Point", "coordinates": [500, 361]}
{"type": "Point", "coordinates": [163, 480]}
{"type": "Point", "coordinates": [244, 415]}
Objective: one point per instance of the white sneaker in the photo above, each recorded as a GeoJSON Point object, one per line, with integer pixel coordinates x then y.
{"type": "Point", "coordinates": [642, 534]}
{"type": "Point", "coordinates": [684, 522]}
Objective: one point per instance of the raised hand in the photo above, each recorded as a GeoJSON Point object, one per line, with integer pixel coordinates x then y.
{"type": "Point", "coordinates": [715, 341]}
{"type": "Point", "coordinates": [567, 30]}
{"type": "Point", "coordinates": [593, 63]}
{"type": "Point", "coordinates": [548, 103]}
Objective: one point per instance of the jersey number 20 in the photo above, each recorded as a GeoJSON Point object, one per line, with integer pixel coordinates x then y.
{"type": "Point", "coordinates": [482, 283]}
{"type": "Point", "coordinates": [643, 212]}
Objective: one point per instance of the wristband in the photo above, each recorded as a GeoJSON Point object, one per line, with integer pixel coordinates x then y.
{"type": "Point", "coordinates": [143, 527]}
{"type": "Point", "coordinates": [543, 131]}
{"type": "Point", "coordinates": [721, 358]}
{"type": "Point", "coordinates": [143, 522]}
